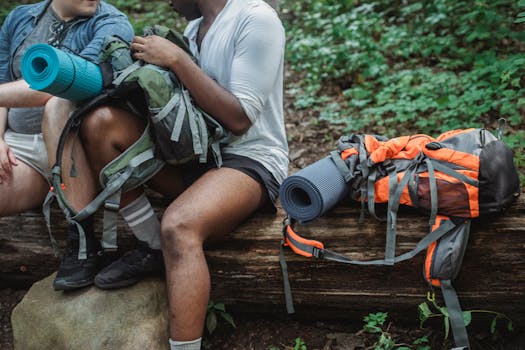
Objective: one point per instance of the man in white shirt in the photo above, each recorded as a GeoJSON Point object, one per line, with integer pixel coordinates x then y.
{"type": "Point", "coordinates": [238, 80]}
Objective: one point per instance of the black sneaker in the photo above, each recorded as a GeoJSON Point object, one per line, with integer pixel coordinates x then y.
{"type": "Point", "coordinates": [133, 266]}
{"type": "Point", "coordinates": [74, 273]}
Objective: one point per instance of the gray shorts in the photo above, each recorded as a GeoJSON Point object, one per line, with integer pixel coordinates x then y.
{"type": "Point", "coordinates": [30, 149]}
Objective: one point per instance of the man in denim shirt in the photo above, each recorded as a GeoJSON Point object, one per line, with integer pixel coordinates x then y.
{"type": "Point", "coordinates": [75, 26]}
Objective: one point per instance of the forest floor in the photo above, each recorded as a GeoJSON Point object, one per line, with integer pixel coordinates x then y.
{"type": "Point", "coordinates": [309, 140]}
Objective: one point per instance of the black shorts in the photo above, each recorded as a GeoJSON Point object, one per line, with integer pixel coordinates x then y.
{"type": "Point", "coordinates": [193, 170]}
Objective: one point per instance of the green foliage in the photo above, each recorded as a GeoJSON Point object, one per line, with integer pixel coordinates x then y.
{"type": "Point", "coordinates": [430, 309]}
{"type": "Point", "coordinates": [213, 312]}
{"type": "Point", "coordinates": [6, 6]}
{"type": "Point", "coordinates": [144, 13]}
{"type": "Point", "coordinates": [140, 13]}
{"type": "Point", "coordinates": [424, 66]}
{"type": "Point", "coordinates": [299, 344]}
{"type": "Point", "coordinates": [375, 324]}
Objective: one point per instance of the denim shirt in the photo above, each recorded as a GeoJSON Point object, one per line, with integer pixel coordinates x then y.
{"type": "Point", "coordinates": [85, 37]}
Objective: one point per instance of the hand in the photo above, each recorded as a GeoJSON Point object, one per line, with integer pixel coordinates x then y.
{"type": "Point", "coordinates": [156, 50]}
{"type": "Point", "coordinates": [7, 161]}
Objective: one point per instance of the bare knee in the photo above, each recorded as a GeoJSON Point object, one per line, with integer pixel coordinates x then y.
{"type": "Point", "coordinates": [97, 123]}
{"type": "Point", "coordinates": [109, 124]}
{"type": "Point", "coordinates": [179, 236]}
{"type": "Point", "coordinates": [56, 113]}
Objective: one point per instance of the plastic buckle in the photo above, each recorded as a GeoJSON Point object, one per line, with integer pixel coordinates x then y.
{"type": "Point", "coordinates": [318, 253]}
{"type": "Point", "coordinates": [111, 206]}
{"type": "Point", "coordinates": [389, 166]}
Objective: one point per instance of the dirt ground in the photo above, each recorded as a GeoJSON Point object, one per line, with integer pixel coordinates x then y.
{"type": "Point", "coordinates": [256, 333]}
{"type": "Point", "coordinates": [309, 140]}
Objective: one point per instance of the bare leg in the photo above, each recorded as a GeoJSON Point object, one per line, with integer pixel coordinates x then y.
{"type": "Point", "coordinates": [212, 206]}
{"type": "Point", "coordinates": [81, 189]}
{"type": "Point", "coordinates": [105, 134]}
{"type": "Point", "coordinates": [25, 189]}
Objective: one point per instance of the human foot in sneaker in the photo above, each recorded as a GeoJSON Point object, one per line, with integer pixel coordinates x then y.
{"type": "Point", "coordinates": [133, 266]}
{"type": "Point", "coordinates": [73, 272]}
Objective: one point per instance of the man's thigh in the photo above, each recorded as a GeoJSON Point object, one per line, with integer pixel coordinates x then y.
{"type": "Point", "coordinates": [218, 201]}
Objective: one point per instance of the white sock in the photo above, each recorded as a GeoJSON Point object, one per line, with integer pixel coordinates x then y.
{"type": "Point", "coordinates": [143, 221]}
{"type": "Point", "coordinates": [186, 345]}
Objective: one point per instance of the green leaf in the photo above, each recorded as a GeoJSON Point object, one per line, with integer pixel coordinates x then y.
{"type": "Point", "coordinates": [424, 313]}
{"type": "Point", "coordinates": [467, 317]}
{"type": "Point", "coordinates": [220, 307]}
{"type": "Point", "coordinates": [423, 339]}
{"type": "Point", "coordinates": [211, 322]}
{"type": "Point", "coordinates": [493, 325]}
{"type": "Point", "coordinates": [443, 310]}
{"type": "Point", "coordinates": [228, 319]}
{"type": "Point", "coordinates": [510, 326]}
{"type": "Point", "coordinates": [447, 326]}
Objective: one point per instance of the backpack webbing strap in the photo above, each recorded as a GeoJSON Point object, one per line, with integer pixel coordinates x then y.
{"type": "Point", "coordinates": [46, 210]}
{"type": "Point", "coordinates": [179, 120]}
{"type": "Point", "coordinates": [309, 248]}
{"type": "Point", "coordinates": [455, 314]}
{"type": "Point", "coordinates": [109, 221]}
{"type": "Point", "coordinates": [365, 171]}
{"type": "Point", "coordinates": [451, 172]}
{"type": "Point", "coordinates": [113, 187]}
{"type": "Point", "coordinates": [110, 198]}
{"type": "Point", "coordinates": [341, 166]}
{"type": "Point", "coordinates": [288, 298]}
{"type": "Point", "coordinates": [371, 181]}
{"type": "Point", "coordinates": [198, 147]}
{"type": "Point", "coordinates": [394, 199]}
{"type": "Point", "coordinates": [433, 192]}
{"type": "Point", "coordinates": [126, 72]}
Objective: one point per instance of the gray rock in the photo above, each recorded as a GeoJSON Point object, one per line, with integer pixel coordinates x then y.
{"type": "Point", "coordinates": [90, 318]}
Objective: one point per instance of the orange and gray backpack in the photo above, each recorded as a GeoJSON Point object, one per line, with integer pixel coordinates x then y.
{"type": "Point", "coordinates": [454, 178]}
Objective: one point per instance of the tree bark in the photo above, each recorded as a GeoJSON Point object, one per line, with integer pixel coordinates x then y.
{"type": "Point", "coordinates": [246, 273]}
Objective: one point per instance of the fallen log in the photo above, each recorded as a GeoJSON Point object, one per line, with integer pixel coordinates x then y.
{"type": "Point", "coordinates": [246, 273]}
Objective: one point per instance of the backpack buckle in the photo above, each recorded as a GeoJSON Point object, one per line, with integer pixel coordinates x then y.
{"type": "Point", "coordinates": [389, 166]}
{"type": "Point", "coordinates": [318, 253]}
{"type": "Point", "coordinates": [111, 206]}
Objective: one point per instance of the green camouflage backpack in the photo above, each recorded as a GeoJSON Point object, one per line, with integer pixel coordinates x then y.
{"type": "Point", "coordinates": [177, 131]}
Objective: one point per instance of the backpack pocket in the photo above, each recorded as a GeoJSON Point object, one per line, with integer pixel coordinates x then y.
{"type": "Point", "coordinates": [499, 182]}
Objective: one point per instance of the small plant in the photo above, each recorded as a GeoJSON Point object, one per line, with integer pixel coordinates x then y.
{"type": "Point", "coordinates": [430, 309]}
{"type": "Point", "coordinates": [212, 312]}
{"type": "Point", "coordinates": [299, 344]}
{"type": "Point", "coordinates": [374, 323]}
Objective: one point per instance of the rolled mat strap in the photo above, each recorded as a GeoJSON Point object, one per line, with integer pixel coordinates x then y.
{"type": "Point", "coordinates": [48, 69]}
{"type": "Point", "coordinates": [312, 191]}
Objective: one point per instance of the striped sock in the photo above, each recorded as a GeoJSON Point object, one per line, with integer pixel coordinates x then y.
{"type": "Point", "coordinates": [186, 345]}
{"type": "Point", "coordinates": [143, 221]}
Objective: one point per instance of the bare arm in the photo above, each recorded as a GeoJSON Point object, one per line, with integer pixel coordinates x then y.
{"type": "Point", "coordinates": [19, 94]}
{"type": "Point", "coordinates": [7, 157]}
{"type": "Point", "coordinates": [208, 94]}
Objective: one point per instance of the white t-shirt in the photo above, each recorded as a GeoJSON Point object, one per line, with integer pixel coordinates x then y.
{"type": "Point", "coordinates": [243, 51]}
